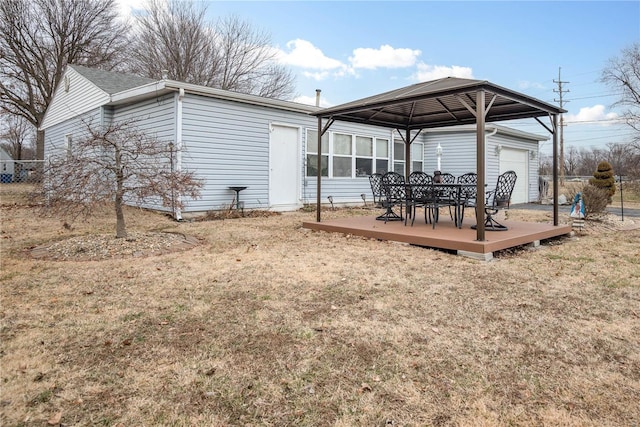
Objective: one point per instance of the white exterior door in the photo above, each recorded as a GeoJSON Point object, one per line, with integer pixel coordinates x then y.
{"type": "Point", "coordinates": [517, 161]}
{"type": "Point", "coordinates": [284, 167]}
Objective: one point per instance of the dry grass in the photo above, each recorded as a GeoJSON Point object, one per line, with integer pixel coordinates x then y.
{"type": "Point", "coordinates": [265, 323]}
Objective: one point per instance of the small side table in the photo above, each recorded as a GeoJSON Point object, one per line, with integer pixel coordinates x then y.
{"type": "Point", "coordinates": [237, 197]}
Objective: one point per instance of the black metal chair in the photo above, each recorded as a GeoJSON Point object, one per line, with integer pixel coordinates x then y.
{"type": "Point", "coordinates": [393, 187]}
{"type": "Point", "coordinates": [376, 188]}
{"type": "Point", "coordinates": [421, 194]}
{"type": "Point", "coordinates": [468, 192]}
{"type": "Point", "coordinates": [448, 196]}
{"type": "Point", "coordinates": [499, 199]}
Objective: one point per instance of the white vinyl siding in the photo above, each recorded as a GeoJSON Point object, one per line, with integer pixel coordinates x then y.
{"type": "Point", "coordinates": [82, 97]}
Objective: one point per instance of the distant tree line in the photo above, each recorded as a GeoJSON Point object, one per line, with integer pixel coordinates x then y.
{"type": "Point", "coordinates": [624, 158]}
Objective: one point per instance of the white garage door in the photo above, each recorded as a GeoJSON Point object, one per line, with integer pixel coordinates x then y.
{"type": "Point", "coordinates": [517, 161]}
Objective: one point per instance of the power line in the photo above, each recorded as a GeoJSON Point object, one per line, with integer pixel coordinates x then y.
{"type": "Point", "coordinates": [561, 92]}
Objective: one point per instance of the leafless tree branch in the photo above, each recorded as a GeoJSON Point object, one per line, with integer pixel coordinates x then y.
{"type": "Point", "coordinates": [116, 163]}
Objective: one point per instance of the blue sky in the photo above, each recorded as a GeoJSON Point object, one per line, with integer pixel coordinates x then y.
{"type": "Point", "coordinates": [355, 49]}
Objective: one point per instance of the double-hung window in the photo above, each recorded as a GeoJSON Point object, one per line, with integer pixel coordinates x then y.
{"type": "Point", "coordinates": [364, 156]}
{"type": "Point", "coordinates": [342, 155]}
{"type": "Point", "coordinates": [312, 153]}
{"type": "Point", "coordinates": [416, 156]}
{"type": "Point", "coordinates": [398, 157]}
{"type": "Point", "coordinates": [68, 145]}
{"type": "Point", "coordinates": [382, 155]}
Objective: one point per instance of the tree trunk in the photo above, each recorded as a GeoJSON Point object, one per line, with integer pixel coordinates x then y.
{"type": "Point", "coordinates": [40, 145]}
{"type": "Point", "coordinates": [121, 230]}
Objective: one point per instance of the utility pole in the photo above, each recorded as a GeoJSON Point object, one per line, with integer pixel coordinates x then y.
{"type": "Point", "coordinates": [560, 91]}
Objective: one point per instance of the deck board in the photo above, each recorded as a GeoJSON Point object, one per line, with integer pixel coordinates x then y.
{"type": "Point", "coordinates": [445, 235]}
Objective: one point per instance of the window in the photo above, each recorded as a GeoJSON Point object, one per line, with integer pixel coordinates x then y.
{"type": "Point", "coordinates": [399, 160]}
{"type": "Point", "coordinates": [364, 156]}
{"type": "Point", "coordinates": [382, 155]}
{"type": "Point", "coordinates": [312, 153]}
{"type": "Point", "coordinates": [347, 156]}
{"type": "Point", "coordinates": [398, 157]}
{"type": "Point", "coordinates": [342, 149]}
{"type": "Point", "coordinates": [416, 156]}
{"type": "Point", "coordinates": [68, 144]}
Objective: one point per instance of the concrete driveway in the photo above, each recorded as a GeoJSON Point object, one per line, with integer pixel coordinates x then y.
{"type": "Point", "coordinates": [565, 209]}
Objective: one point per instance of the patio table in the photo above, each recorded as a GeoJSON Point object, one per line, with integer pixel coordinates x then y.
{"type": "Point", "coordinates": [442, 188]}
{"type": "Point", "coordinates": [458, 200]}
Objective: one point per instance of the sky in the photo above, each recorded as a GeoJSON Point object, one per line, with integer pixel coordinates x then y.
{"type": "Point", "coordinates": [354, 49]}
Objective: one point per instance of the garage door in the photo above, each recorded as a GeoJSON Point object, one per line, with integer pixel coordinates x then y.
{"type": "Point", "coordinates": [517, 161]}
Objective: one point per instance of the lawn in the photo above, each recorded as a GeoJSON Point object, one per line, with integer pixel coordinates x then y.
{"type": "Point", "coordinates": [265, 323]}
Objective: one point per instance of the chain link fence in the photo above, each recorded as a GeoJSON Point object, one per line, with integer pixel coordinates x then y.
{"type": "Point", "coordinates": [21, 171]}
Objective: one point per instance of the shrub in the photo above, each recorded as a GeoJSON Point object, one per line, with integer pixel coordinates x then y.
{"type": "Point", "coordinates": [595, 199]}
{"type": "Point", "coordinates": [603, 178]}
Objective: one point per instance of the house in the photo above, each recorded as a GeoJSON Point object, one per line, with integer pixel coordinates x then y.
{"type": "Point", "coordinates": [7, 166]}
{"type": "Point", "coordinates": [269, 146]}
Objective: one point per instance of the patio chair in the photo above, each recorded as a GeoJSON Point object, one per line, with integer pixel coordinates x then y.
{"type": "Point", "coordinates": [393, 187]}
{"type": "Point", "coordinates": [499, 199]}
{"type": "Point", "coordinates": [468, 192]}
{"type": "Point", "coordinates": [448, 196]}
{"type": "Point", "coordinates": [375, 180]}
{"type": "Point", "coordinates": [421, 195]}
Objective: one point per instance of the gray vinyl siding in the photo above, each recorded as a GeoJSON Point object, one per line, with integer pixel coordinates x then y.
{"type": "Point", "coordinates": [458, 152]}
{"type": "Point", "coordinates": [226, 143]}
{"type": "Point", "coordinates": [55, 136]}
{"type": "Point", "coordinates": [155, 117]}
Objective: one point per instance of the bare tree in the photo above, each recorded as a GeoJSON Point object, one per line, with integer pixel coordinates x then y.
{"type": "Point", "coordinates": [174, 37]}
{"type": "Point", "coordinates": [247, 61]}
{"type": "Point", "coordinates": [230, 55]}
{"type": "Point", "coordinates": [623, 76]}
{"type": "Point", "coordinates": [571, 161]}
{"type": "Point", "coordinates": [17, 137]}
{"type": "Point", "coordinates": [116, 163]}
{"type": "Point", "coordinates": [38, 38]}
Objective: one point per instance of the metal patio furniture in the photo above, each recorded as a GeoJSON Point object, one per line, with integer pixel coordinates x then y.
{"type": "Point", "coordinates": [420, 193]}
{"type": "Point", "coordinates": [375, 180]}
{"type": "Point", "coordinates": [499, 199]}
{"type": "Point", "coordinates": [448, 196]}
{"type": "Point", "coordinates": [469, 191]}
{"type": "Point", "coordinates": [393, 187]}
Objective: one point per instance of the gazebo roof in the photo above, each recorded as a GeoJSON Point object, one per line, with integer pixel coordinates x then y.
{"type": "Point", "coordinates": [439, 103]}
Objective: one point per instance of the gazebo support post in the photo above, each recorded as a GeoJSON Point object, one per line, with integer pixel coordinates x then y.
{"type": "Point", "coordinates": [319, 177]}
{"type": "Point", "coordinates": [480, 165]}
{"type": "Point", "coordinates": [407, 154]}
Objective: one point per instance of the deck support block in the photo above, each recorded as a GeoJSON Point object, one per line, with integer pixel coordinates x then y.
{"type": "Point", "coordinates": [476, 255]}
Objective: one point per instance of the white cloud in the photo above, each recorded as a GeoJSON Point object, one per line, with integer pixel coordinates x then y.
{"type": "Point", "coordinates": [302, 53]}
{"type": "Point", "coordinates": [127, 7]}
{"type": "Point", "coordinates": [385, 57]}
{"type": "Point", "coordinates": [311, 100]}
{"type": "Point", "coordinates": [318, 76]}
{"type": "Point", "coordinates": [591, 115]}
{"type": "Point", "coordinates": [428, 72]}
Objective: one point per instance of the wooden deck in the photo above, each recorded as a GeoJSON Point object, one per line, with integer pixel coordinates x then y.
{"type": "Point", "coordinates": [445, 235]}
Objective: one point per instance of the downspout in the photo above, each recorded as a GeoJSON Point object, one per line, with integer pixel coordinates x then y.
{"type": "Point", "coordinates": [178, 212]}
{"type": "Point", "coordinates": [493, 132]}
